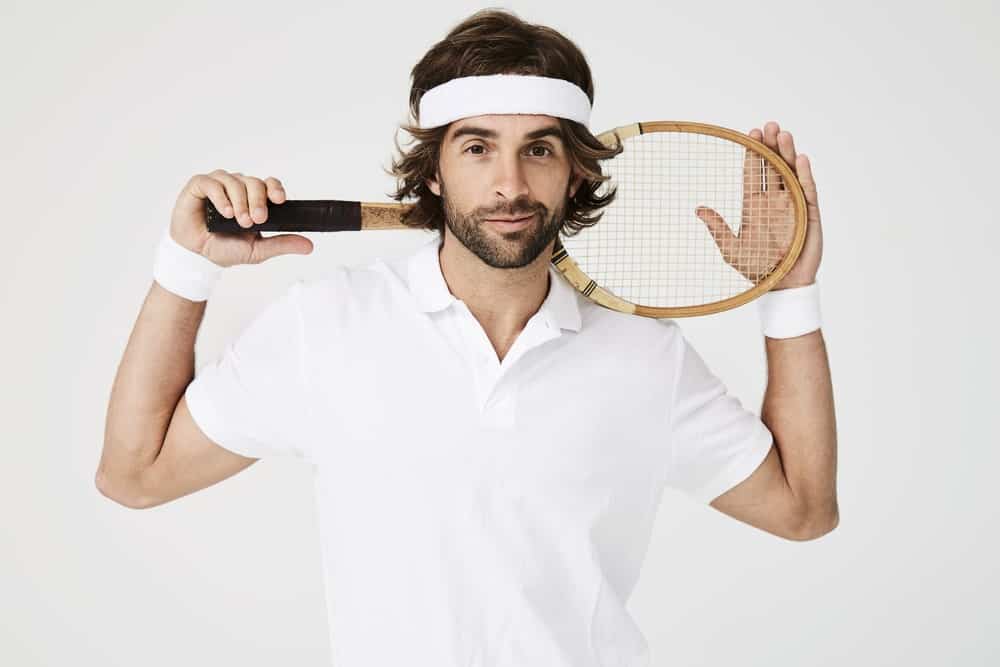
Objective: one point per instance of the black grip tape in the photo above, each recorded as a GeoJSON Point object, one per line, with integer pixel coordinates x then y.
{"type": "Point", "coordinates": [294, 215]}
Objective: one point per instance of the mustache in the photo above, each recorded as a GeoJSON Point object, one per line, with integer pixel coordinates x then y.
{"type": "Point", "coordinates": [517, 208]}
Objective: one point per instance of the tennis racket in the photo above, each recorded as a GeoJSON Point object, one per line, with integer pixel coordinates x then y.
{"type": "Point", "coordinates": [705, 219]}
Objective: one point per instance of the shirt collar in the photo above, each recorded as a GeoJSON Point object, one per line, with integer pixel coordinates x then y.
{"type": "Point", "coordinates": [560, 309]}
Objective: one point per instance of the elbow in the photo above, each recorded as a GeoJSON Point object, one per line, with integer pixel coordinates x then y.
{"type": "Point", "coordinates": [114, 492]}
{"type": "Point", "coordinates": [816, 525]}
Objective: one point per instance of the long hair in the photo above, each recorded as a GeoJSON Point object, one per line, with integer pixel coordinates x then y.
{"type": "Point", "coordinates": [498, 42]}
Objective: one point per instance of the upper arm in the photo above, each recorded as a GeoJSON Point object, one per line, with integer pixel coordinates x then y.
{"type": "Point", "coordinates": [187, 462]}
{"type": "Point", "coordinates": [254, 399]}
{"type": "Point", "coordinates": [764, 500]}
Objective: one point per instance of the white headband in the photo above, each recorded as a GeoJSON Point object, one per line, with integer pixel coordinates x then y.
{"type": "Point", "coordinates": [503, 94]}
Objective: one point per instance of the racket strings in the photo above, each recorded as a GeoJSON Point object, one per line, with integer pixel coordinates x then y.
{"type": "Point", "coordinates": [650, 247]}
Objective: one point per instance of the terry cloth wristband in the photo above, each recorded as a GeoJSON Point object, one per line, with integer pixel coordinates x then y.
{"type": "Point", "coordinates": [791, 312]}
{"type": "Point", "coordinates": [183, 272]}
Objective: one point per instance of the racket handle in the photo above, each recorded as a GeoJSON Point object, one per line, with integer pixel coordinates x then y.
{"type": "Point", "coordinates": [294, 215]}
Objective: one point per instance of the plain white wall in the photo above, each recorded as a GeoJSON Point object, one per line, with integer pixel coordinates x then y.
{"type": "Point", "coordinates": [109, 107]}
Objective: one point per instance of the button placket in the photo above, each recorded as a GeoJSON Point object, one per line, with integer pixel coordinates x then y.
{"type": "Point", "coordinates": [489, 371]}
{"type": "Point", "coordinates": [500, 412]}
{"type": "Point", "coordinates": [479, 353]}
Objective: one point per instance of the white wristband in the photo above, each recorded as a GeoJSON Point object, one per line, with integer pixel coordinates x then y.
{"type": "Point", "coordinates": [183, 272]}
{"type": "Point", "coordinates": [791, 312]}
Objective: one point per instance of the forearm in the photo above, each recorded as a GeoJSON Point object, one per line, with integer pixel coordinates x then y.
{"type": "Point", "coordinates": [155, 370]}
{"type": "Point", "coordinates": [798, 409]}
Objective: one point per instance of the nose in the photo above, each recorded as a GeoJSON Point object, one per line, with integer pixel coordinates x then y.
{"type": "Point", "coordinates": [509, 180]}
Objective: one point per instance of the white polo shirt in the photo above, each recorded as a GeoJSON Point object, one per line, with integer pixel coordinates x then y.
{"type": "Point", "coordinates": [475, 513]}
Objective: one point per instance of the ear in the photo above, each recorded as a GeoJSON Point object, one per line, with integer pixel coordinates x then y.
{"type": "Point", "coordinates": [433, 184]}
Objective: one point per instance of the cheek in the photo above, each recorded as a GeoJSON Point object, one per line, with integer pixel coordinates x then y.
{"type": "Point", "coordinates": [458, 192]}
{"type": "Point", "coordinates": [551, 188]}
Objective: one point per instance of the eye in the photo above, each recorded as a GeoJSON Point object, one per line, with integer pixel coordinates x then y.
{"type": "Point", "coordinates": [546, 151]}
{"type": "Point", "coordinates": [475, 146]}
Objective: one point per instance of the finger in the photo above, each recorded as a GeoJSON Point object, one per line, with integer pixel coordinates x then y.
{"type": "Point", "coordinates": [206, 187]}
{"type": "Point", "coordinates": [773, 179]}
{"type": "Point", "coordinates": [753, 172]}
{"type": "Point", "coordinates": [804, 172]}
{"type": "Point", "coordinates": [786, 148]}
{"type": "Point", "coordinates": [237, 193]}
{"type": "Point", "coordinates": [280, 244]}
{"type": "Point", "coordinates": [717, 227]}
{"type": "Point", "coordinates": [771, 135]}
{"type": "Point", "coordinates": [756, 134]}
{"type": "Point", "coordinates": [275, 190]}
{"type": "Point", "coordinates": [256, 197]}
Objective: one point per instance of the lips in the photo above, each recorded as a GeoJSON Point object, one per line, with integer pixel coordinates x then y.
{"type": "Point", "coordinates": [526, 217]}
{"type": "Point", "coordinates": [510, 224]}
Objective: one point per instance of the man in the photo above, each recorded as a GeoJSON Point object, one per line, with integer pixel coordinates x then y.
{"type": "Point", "coordinates": [473, 510]}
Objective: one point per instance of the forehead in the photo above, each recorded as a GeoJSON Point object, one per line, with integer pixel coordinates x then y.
{"type": "Point", "coordinates": [514, 126]}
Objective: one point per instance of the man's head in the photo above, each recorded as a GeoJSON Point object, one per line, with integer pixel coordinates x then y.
{"type": "Point", "coordinates": [493, 166]}
{"type": "Point", "coordinates": [498, 168]}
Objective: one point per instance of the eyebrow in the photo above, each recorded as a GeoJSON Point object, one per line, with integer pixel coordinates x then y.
{"type": "Point", "coordinates": [474, 130]}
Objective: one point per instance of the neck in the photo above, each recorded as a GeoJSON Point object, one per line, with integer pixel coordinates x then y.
{"type": "Point", "coordinates": [502, 300]}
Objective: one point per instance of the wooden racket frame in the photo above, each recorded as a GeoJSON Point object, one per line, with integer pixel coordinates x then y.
{"type": "Point", "coordinates": [388, 216]}
{"type": "Point", "coordinates": [589, 288]}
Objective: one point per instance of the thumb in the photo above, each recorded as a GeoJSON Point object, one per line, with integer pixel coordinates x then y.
{"type": "Point", "coordinates": [717, 227]}
{"type": "Point", "coordinates": [281, 244]}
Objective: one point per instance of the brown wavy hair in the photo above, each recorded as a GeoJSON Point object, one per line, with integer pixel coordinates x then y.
{"type": "Point", "coordinates": [498, 42]}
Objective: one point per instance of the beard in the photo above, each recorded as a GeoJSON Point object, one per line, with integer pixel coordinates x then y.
{"type": "Point", "coordinates": [509, 250]}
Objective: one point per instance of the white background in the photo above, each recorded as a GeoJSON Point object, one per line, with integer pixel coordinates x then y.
{"type": "Point", "coordinates": [108, 108]}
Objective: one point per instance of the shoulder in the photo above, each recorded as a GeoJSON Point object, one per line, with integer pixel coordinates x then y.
{"type": "Point", "coordinates": [644, 349]}
{"type": "Point", "coordinates": [350, 292]}
{"type": "Point", "coordinates": [624, 330]}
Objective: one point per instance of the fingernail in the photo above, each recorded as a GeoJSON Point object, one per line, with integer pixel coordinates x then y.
{"type": "Point", "coordinates": [259, 213]}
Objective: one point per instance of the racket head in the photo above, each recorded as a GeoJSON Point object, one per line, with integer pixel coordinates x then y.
{"type": "Point", "coordinates": [650, 255]}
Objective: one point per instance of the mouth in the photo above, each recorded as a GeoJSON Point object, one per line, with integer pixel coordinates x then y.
{"type": "Point", "coordinates": [510, 224]}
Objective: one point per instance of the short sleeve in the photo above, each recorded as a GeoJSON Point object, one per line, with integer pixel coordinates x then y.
{"type": "Point", "coordinates": [253, 399]}
{"type": "Point", "coordinates": [715, 443]}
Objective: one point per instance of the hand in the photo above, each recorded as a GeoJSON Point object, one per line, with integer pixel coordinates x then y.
{"type": "Point", "coordinates": [771, 233]}
{"type": "Point", "coordinates": [233, 194]}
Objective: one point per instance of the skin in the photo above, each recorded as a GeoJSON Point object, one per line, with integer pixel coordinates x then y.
{"type": "Point", "coordinates": [501, 276]}
{"type": "Point", "coordinates": [757, 231]}
{"type": "Point", "coordinates": [793, 492]}
{"type": "Point", "coordinates": [503, 279]}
